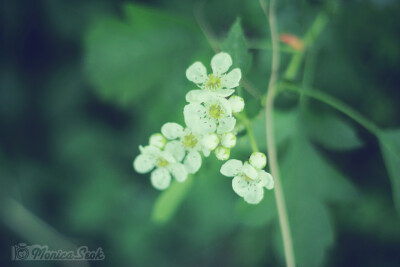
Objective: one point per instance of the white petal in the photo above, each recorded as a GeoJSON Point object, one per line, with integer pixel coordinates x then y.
{"type": "Point", "coordinates": [222, 153]}
{"type": "Point", "coordinates": [176, 149]}
{"type": "Point", "coordinates": [231, 168]}
{"type": "Point", "coordinates": [206, 152]}
{"type": "Point", "coordinates": [254, 194]}
{"type": "Point", "coordinates": [226, 124]}
{"type": "Point", "coordinates": [196, 73]}
{"type": "Point", "coordinates": [258, 160]}
{"type": "Point", "coordinates": [143, 163]}
{"type": "Point", "coordinates": [266, 179]}
{"type": "Point", "coordinates": [237, 103]}
{"type": "Point", "coordinates": [226, 106]}
{"type": "Point", "coordinates": [151, 150]}
{"type": "Point", "coordinates": [206, 126]}
{"type": "Point", "coordinates": [172, 130]}
{"type": "Point", "coordinates": [157, 140]}
{"type": "Point", "coordinates": [193, 114]}
{"type": "Point", "coordinates": [240, 186]}
{"type": "Point", "coordinates": [160, 178]}
{"type": "Point", "coordinates": [166, 155]}
{"type": "Point", "coordinates": [224, 92]}
{"type": "Point", "coordinates": [196, 119]}
{"type": "Point", "coordinates": [192, 161]}
{"type": "Point", "coordinates": [231, 79]}
{"type": "Point", "coordinates": [210, 141]}
{"type": "Point", "coordinates": [197, 96]}
{"type": "Point", "coordinates": [250, 171]}
{"type": "Point", "coordinates": [220, 63]}
{"type": "Point", "coordinates": [179, 171]}
{"type": "Point", "coordinates": [228, 140]}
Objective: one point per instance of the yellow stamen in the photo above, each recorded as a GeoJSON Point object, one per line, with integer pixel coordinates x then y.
{"type": "Point", "coordinates": [189, 141]}
{"type": "Point", "coordinates": [216, 111]}
{"type": "Point", "coordinates": [161, 162]}
{"type": "Point", "coordinates": [213, 82]}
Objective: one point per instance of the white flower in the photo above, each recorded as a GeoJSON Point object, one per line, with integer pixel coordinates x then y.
{"type": "Point", "coordinates": [249, 180]}
{"type": "Point", "coordinates": [214, 114]}
{"type": "Point", "coordinates": [222, 153]}
{"type": "Point", "coordinates": [157, 140]}
{"type": "Point", "coordinates": [258, 160]}
{"type": "Point", "coordinates": [219, 82]}
{"type": "Point", "coordinates": [228, 140]}
{"type": "Point", "coordinates": [165, 162]}
{"type": "Point", "coordinates": [190, 142]}
{"type": "Point", "coordinates": [237, 103]}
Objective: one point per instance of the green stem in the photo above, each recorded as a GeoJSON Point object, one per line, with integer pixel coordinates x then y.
{"type": "Point", "coordinates": [34, 230]}
{"type": "Point", "coordinates": [308, 39]}
{"type": "Point", "coordinates": [263, 45]}
{"type": "Point", "coordinates": [247, 124]}
{"type": "Point", "coordinates": [335, 103]}
{"type": "Point", "coordinates": [272, 153]}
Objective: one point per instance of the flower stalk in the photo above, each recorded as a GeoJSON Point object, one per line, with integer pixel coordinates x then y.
{"type": "Point", "coordinates": [272, 153]}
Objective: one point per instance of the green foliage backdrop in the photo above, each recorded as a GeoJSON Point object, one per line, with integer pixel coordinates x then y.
{"type": "Point", "coordinates": [83, 84]}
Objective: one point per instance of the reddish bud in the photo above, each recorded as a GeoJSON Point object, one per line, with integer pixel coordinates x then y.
{"type": "Point", "coordinates": [292, 40]}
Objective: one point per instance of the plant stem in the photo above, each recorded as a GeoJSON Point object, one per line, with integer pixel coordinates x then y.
{"type": "Point", "coordinates": [272, 153]}
{"type": "Point", "coordinates": [335, 103]}
{"type": "Point", "coordinates": [34, 230]}
{"type": "Point", "coordinates": [315, 29]}
{"type": "Point", "coordinates": [246, 122]}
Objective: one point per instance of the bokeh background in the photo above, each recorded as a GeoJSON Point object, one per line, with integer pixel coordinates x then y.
{"type": "Point", "coordinates": [83, 83]}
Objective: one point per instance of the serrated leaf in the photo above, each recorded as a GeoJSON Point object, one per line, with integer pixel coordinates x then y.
{"type": "Point", "coordinates": [309, 181]}
{"type": "Point", "coordinates": [331, 132]}
{"type": "Point", "coordinates": [236, 45]}
{"type": "Point", "coordinates": [169, 201]}
{"type": "Point", "coordinates": [389, 141]}
{"type": "Point", "coordinates": [127, 59]}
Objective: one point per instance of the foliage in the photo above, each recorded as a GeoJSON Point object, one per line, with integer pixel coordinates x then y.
{"type": "Point", "coordinates": [69, 131]}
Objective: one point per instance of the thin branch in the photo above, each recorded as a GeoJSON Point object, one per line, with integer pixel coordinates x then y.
{"type": "Point", "coordinates": [335, 103]}
{"type": "Point", "coordinates": [34, 230]}
{"type": "Point", "coordinates": [272, 153]}
{"type": "Point", "coordinates": [247, 124]}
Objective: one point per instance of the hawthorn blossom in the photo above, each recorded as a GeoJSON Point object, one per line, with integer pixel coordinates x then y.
{"type": "Point", "coordinates": [249, 179]}
{"type": "Point", "coordinates": [219, 81]}
{"type": "Point", "coordinates": [192, 143]}
{"type": "Point", "coordinates": [162, 164]}
{"type": "Point", "coordinates": [213, 114]}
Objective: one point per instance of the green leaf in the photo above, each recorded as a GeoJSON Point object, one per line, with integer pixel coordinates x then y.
{"type": "Point", "coordinates": [257, 215]}
{"type": "Point", "coordinates": [235, 44]}
{"type": "Point", "coordinates": [389, 141]}
{"type": "Point", "coordinates": [332, 132]}
{"type": "Point", "coordinates": [169, 201]}
{"type": "Point", "coordinates": [127, 59]}
{"type": "Point", "coordinates": [309, 182]}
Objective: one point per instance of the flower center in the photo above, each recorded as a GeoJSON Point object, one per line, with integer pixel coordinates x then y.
{"type": "Point", "coordinates": [189, 141]}
{"type": "Point", "coordinates": [247, 178]}
{"type": "Point", "coordinates": [161, 162]}
{"type": "Point", "coordinates": [213, 82]}
{"type": "Point", "coordinates": [216, 111]}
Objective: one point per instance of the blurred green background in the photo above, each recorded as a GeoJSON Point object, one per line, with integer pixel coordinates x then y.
{"type": "Point", "coordinates": [83, 83]}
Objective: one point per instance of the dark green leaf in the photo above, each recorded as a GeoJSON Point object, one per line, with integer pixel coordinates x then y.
{"type": "Point", "coordinates": [126, 59]}
{"type": "Point", "coordinates": [332, 132]}
{"type": "Point", "coordinates": [309, 182]}
{"type": "Point", "coordinates": [235, 44]}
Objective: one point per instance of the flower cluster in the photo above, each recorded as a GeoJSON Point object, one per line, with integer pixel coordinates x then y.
{"type": "Point", "coordinates": [210, 122]}
{"type": "Point", "coordinates": [249, 177]}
